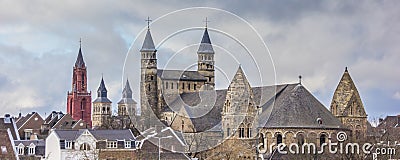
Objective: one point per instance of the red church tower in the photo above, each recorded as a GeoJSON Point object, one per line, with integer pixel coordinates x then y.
{"type": "Point", "coordinates": [79, 104]}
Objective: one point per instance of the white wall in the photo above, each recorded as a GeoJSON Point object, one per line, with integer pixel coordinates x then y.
{"type": "Point", "coordinates": [53, 150]}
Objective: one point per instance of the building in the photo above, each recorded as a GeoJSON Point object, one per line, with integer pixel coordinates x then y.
{"type": "Point", "coordinates": [9, 123]}
{"type": "Point", "coordinates": [347, 106]}
{"type": "Point", "coordinates": [79, 99]}
{"type": "Point", "coordinates": [255, 117]}
{"type": "Point", "coordinates": [33, 149]}
{"type": "Point", "coordinates": [7, 146]}
{"type": "Point", "coordinates": [29, 125]}
{"type": "Point", "coordinates": [90, 144]}
{"type": "Point", "coordinates": [101, 107]}
{"type": "Point", "coordinates": [127, 105]}
{"type": "Point", "coordinates": [156, 84]}
{"type": "Point", "coordinates": [59, 120]}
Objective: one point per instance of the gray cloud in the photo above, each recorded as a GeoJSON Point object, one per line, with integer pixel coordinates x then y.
{"type": "Point", "coordinates": [317, 39]}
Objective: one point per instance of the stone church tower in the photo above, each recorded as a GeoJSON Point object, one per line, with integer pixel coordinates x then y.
{"type": "Point", "coordinates": [101, 107]}
{"type": "Point", "coordinates": [148, 83]}
{"type": "Point", "coordinates": [79, 104]}
{"type": "Point", "coordinates": [239, 112]}
{"type": "Point", "coordinates": [348, 107]}
{"type": "Point", "coordinates": [205, 61]}
{"type": "Point", "coordinates": [127, 106]}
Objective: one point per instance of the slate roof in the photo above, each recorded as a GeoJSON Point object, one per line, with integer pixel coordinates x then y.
{"type": "Point", "coordinates": [40, 145]}
{"type": "Point", "coordinates": [204, 108]}
{"type": "Point", "coordinates": [286, 105]}
{"type": "Point", "coordinates": [102, 93]}
{"type": "Point", "coordinates": [148, 44]}
{"type": "Point", "coordinates": [180, 75]}
{"type": "Point", "coordinates": [127, 95]}
{"type": "Point", "coordinates": [98, 134]}
{"type": "Point", "coordinates": [205, 45]}
{"type": "Point", "coordinates": [296, 107]}
{"type": "Point", "coordinates": [79, 60]}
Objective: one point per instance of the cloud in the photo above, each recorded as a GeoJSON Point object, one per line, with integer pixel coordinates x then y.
{"type": "Point", "coordinates": [315, 39]}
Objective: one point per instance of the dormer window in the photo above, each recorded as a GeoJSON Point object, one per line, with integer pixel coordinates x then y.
{"type": "Point", "coordinates": [21, 149]}
{"type": "Point", "coordinates": [31, 149]}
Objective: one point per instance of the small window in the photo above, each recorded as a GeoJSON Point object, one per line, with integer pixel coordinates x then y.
{"type": "Point", "coordinates": [20, 150]}
{"type": "Point", "coordinates": [166, 85]}
{"type": "Point", "coordinates": [31, 150]}
{"type": "Point", "coordinates": [322, 139]}
{"type": "Point", "coordinates": [127, 144]}
{"type": "Point", "coordinates": [241, 132]}
{"type": "Point", "coordinates": [279, 139]}
{"type": "Point", "coordinates": [194, 87]}
{"type": "Point", "coordinates": [172, 85]}
{"type": "Point", "coordinates": [85, 147]}
{"type": "Point", "coordinates": [68, 145]}
{"type": "Point", "coordinates": [111, 144]}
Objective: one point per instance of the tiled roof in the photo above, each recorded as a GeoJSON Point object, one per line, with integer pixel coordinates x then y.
{"type": "Point", "coordinates": [205, 45]}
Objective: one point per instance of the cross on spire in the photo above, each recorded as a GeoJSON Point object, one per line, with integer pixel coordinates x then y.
{"type": "Point", "coordinates": [206, 22]}
{"type": "Point", "coordinates": [148, 22]}
{"type": "Point", "coordinates": [80, 42]}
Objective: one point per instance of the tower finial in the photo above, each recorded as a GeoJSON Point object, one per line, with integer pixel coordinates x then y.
{"type": "Point", "coordinates": [148, 22]}
{"type": "Point", "coordinates": [206, 22]}
{"type": "Point", "coordinates": [80, 42]}
{"type": "Point", "coordinates": [300, 79]}
{"type": "Point", "coordinates": [345, 69]}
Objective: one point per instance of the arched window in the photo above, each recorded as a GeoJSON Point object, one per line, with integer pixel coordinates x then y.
{"type": "Point", "coordinates": [279, 139]}
{"type": "Point", "coordinates": [172, 85]}
{"type": "Point", "coordinates": [300, 139]}
{"type": "Point", "coordinates": [85, 147]}
{"type": "Point", "coordinates": [322, 139]}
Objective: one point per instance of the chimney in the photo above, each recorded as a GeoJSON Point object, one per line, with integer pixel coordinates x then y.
{"type": "Point", "coordinates": [34, 137]}
{"type": "Point", "coordinates": [7, 118]}
{"type": "Point", "coordinates": [380, 120]}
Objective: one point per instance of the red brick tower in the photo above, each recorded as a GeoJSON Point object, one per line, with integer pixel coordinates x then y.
{"type": "Point", "coordinates": [79, 104]}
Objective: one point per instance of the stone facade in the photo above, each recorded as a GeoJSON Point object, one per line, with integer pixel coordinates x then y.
{"type": "Point", "coordinates": [347, 106]}
{"type": "Point", "coordinates": [101, 107]}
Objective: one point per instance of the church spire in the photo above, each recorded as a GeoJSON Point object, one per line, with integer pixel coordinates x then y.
{"type": "Point", "coordinates": [102, 91]}
{"type": "Point", "coordinates": [205, 45]}
{"type": "Point", "coordinates": [127, 92]}
{"type": "Point", "coordinates": [79, 60]}
{"type": "Point", "coordinates": [148, 44]}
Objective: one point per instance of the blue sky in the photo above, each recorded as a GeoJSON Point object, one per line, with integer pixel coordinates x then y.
{"type": "Point", "coordinates": [316, 39]}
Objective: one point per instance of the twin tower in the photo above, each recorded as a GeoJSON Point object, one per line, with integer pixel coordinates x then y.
{"type": "Point", "coordinates": [154, 85]}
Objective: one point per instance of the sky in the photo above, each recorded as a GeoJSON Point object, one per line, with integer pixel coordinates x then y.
{"type": "Point", "coordinates": [273, 41]}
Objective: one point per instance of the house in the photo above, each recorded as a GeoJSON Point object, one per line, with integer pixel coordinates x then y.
{"type": "Point", "coordinates": [163, 142]}
{"type": "Point", "coordinates": [30, 149]}
{"type": "Point", "coordinates": [29, 125]}
{"type": "Point", "coordinates": [9, 123]}
{"type": "Point", "coordinates": [59, 120]}
{"type": "Point", "coordinates": [6, 145]}
{"type": "Point", "coordinates": [90, 144]}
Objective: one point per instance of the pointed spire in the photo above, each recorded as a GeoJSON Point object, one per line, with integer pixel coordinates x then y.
{"type": "Point", "coordinates": [102, 91]}
{"type": "Point", "coordinates": [127, 92]}
{"type": "Point", "coordinates": [346, 94]}
{"type": "Point", "coordinates": [79, 60]}
{"type": "Point", "coordinates": [205, 45]}
{"type": "Point", "coordinates": [148, 44]}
